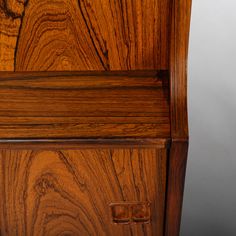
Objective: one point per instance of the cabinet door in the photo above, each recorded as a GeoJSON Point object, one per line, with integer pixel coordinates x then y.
{"type": "Point", "coordinates": [82, 191]}
{"type": "Point", "coordinates": [69, 35]}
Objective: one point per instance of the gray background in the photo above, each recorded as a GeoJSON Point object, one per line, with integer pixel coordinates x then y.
{"type": "Point", "coordinates": [210, 189]}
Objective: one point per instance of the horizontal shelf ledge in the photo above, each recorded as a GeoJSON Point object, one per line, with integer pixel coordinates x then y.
{"type": "Point", "coordinates": [84, 105]}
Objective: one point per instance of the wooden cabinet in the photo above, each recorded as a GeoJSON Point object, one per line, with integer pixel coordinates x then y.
{"type": "Point", "coordinates": [93, 116]}
{"type": "Point", "coordinates": [70, 191]}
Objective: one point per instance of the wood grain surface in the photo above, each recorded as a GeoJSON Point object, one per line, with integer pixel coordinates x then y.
{"type": "Point", "coordinates": [10, 22]}
{"type": "Point", "coordinates": [180, 24]}
{"type": "Point", "coordinates": [176, 176]}
{"type": "Point", "coordinates": [65, 105]}
{"type": "Point", "coordinates": [88, 143]}
{"type": "Point", "coordinates": [68, 192]}
{"type": "Point", "coordinates": [52, 35]}
{"type": "Point", "coordinates": [73, 142]}
{"type": "Point", "coordinates": [181, 13]}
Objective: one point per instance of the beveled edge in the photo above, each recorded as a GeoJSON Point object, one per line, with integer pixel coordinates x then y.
{"type": "Point", "coordinates": [84, 143]}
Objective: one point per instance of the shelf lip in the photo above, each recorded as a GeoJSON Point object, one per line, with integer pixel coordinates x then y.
{"type": "Point", "coordinates": [53, 144]}
{"type": "Point", "coordinates": [136, 73]}
{"type": "Point", "coordinates": [38, 105]}
{"type": "Point", "coordinates": [83, 79]}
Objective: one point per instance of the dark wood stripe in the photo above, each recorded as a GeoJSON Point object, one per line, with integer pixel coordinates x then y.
{"type": "Point", "coordinates": [46, 144]}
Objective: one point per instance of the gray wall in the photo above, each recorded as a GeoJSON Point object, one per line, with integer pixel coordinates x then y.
{"type": "Point", "coordinates": [210, 189]}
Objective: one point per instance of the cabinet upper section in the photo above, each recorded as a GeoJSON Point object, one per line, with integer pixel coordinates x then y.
{"type": "Point", "coordinates": [67, 35]}
{"type": "Point", "coordinates": [100, 35]}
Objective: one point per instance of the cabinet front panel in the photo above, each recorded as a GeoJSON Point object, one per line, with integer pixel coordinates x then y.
{"type": "Point", "coordinates": [52, 35]}
{"type": "Point", "coordinates": [70, 192]}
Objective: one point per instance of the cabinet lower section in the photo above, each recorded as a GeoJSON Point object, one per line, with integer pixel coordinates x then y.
{"type": "Point", "coordinates": [82, 191]}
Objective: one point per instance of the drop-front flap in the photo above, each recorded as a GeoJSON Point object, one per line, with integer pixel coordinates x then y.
{"type": "Point", "coordinates": [62, 35]}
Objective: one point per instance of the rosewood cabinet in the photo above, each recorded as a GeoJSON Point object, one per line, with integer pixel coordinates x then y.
{"type": "Point", "coordinates": [93, 116]}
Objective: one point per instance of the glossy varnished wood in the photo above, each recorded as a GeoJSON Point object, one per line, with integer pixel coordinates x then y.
{"type": "Point", "coordinates": [176, 176]}
{"type": "Point", "coordinates": [88, 143]}
{"type": "Point", "coordinates": [71, 140]}
{"type": "Point", "coordinates": [84, 35]}
{"type": "Point", "coordinates": [68, 192]}
{"type": "Point", "coordinates": [10, 22]}
{"type": "Point", "coordinates": [68, 105]}
{"type": "Point", "coordinates": [180, 22]}
{"type": "Point", "coordinates": [180, 17]}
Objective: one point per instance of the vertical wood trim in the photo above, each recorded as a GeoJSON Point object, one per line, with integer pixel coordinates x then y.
{"type": "Point", "coordinates": [180, 22]}
{"type": "Point", "coordinates": [176, 177]}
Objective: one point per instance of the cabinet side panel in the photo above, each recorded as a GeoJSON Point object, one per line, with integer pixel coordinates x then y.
{"type": "Point", "coordinates": [176, 176]}
{"type": "Point", "coordinates": [181, 13]}
{"type": "Point", "coordinates": [49, 192]}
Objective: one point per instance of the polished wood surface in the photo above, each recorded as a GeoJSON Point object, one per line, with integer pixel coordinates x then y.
{"type": "Point", "coordinates": [69, 192]}
{"type": "Point", "coordinates": [9, 31]}
{"type": "Point", "coordinates": [84, 35]}
{"type": "Point", "coordinates": [66, 105]}
{"type": "Point", "coordinates": [180, 23]}
{"type": "Point", "coordinates": [84, 143]}
{"type": "Point", "coordinates": [93, 91]}
{"type": "Point", "coordinates": [176, 177]}
{"type": "Point", "coordinates": [181, 11]}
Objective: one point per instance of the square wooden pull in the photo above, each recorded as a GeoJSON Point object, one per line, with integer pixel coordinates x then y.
{"type": "Point", "coordinates": [120, 213]}
{"type": "Point", "coordinates": [127, 213]}
{"type": "Point", "coordinates": [140, 212]}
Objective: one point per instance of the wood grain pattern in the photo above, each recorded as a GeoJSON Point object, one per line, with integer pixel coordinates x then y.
{"type": "Point", "coordinates": [68, 105]}
{"type": "Point", "coordinates": [72, 142]}
{"type": "Point", "coordinates": [52, 35]}
{"type": "Point", "coordinates": [180, 23]}
{"type": "Point", "coordinates": [181, 10]}
{"type": "Point", "coordinates": [175, 188]}
{"type": "Point", "coordinates": [68, 192]}
{"type": "Point", "coordinates": [95, 143]}
{"type": "Point", "coordinates": [11, 12]}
